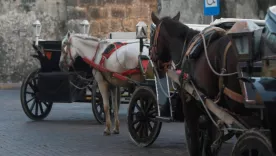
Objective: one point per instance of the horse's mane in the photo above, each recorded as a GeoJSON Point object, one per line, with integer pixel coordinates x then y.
{"type": "Point", "coordinates": [85, 37]}
{"type": "Point", "coordinates": [179, 29]}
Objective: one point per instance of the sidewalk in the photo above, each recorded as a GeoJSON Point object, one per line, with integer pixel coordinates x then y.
{"type": "Point", "coordinates": [10, 86]}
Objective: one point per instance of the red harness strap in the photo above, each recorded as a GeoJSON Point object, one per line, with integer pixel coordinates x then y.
{"type": "Point", "coordinates": [100, 67]}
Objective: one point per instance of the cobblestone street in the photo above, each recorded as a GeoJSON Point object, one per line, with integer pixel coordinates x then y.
{"type": "Point", "coordinates": [71, 130]}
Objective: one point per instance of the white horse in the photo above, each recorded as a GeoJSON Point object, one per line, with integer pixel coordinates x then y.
{"type": "Point", "coordinates": [123, 59]}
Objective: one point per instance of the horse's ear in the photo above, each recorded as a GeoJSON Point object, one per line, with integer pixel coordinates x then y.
{"type": "Point", "coordinates": [177, 16]}
{"type": "Point", "coordinates": [154, 18]}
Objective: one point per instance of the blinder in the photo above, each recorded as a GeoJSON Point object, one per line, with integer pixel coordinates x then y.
{"type": "Point", "coordinates": [154, 52]}
{"type": "Point", "coordinates": [67, 52]}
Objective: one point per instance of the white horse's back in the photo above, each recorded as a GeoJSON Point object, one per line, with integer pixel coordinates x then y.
{"type": "Point", "coordinates": [124, 58]}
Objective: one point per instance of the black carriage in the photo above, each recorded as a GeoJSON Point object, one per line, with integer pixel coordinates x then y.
{"type": "Point", "coordinates": [151, 105]}
{"type": "Point", "coordinates": [48, 84]}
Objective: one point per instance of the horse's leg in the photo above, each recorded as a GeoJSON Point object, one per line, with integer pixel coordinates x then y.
{"type": "Point", "coordinates": [103, 87]}
{"type": "Point", "coordinates": [116, 105]}
{"type": "Point", "coordinates": [191, 113]}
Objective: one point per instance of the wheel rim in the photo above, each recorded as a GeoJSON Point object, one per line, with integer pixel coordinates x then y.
{"type": "Point", "coordinates": [254, 150]}
{"type": "Point", "coordinates": [253, 143]}
{"type": "Point", "coordinates": [99, 106]}
{"type": "Point", "coordinates": [142, 119]}
{"type": "Point", "coordinates": [35, 107]}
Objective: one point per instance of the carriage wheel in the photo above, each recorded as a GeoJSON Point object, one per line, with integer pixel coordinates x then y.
{"type": "Point", "coordinates": [252, 143]}
{"type": "Point", "coordinates": [32, 106]}
{"type": "Point", "coordinates": [205, 135]}
{"type": "Point", "coordinates": [97, 105]}
{"type": "Point", "coordinates": [142, 126]}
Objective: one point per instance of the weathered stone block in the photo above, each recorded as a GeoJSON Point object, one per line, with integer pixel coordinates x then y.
{"type": "Point", "coordinates": [118, 12]}
{"type": "Point", "coordinates": [116, 25]}
{"type": "Point", "coordinates": [129, 24]}
{"type": "Point", "coordinates": [97, 13]}
{"type": "Point", "coordinates": [76, 13]}
{"type": "Point", "coordinates": [94, 13]}
{"type": "Point", "coordinates": [104, 25]}
{"type": "Point", "coordinates": [125, 1]}
{"type": "Point", "coordinates": [95, 28]}
{"type": "Point", "coordinates": [72, 2]}
{"type": "Point", "coordinates": [88, 2]}
{"type": "Point", "coordinates": [137, 11]}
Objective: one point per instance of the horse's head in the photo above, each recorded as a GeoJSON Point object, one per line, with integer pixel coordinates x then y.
{"type": "Point", "coordinates": [169, 38]}
{"type": "Point", "coordinates": [67, 54]}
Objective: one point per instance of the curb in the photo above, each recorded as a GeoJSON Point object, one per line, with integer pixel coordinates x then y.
{"type": "Point", "coordinates": [4, 86]}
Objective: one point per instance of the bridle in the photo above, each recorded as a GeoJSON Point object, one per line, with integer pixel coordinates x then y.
{"type": "Point", "coordinates": [154, 52]}
{"type": "Point", "coordinates": [67, 52]}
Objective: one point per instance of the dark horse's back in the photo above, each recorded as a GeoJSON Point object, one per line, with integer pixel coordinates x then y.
{"type": "Point", "coordinates": [207, 81]}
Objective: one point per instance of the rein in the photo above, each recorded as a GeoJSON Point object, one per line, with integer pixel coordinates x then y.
{"type": "Point", "coordinates": [68, 51]}
{"type": "Point", "coordinates": [154, 53]}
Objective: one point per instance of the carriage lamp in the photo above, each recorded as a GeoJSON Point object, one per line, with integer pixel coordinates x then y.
{"type": "Point", "coordinates": [37, 30]}
{"type": "Point", "coordinates": [141, 33]}
{"type": "Point", "coordinates": [141, 30]}
{"type": "Point", "coordinates": [85, 27]}
{"type": "Point", "coordinates": [245, 37]}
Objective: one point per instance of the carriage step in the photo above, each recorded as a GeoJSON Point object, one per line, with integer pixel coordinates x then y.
{"type": "Point", "coordinates": [164, 119]}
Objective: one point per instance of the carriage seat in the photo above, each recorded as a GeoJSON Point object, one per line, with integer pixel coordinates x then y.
{"type": "Point", "coordinates": [196, 46]}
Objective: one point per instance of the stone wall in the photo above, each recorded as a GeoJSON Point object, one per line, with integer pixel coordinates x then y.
{"type": "Point", "coordinates": [110, 15]}
{"type": "Point", "coordinates": [57, 16]}
{"type": "Point", "coordinates": [16, 33]}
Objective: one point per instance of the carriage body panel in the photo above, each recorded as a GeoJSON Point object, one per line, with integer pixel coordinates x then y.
{"type": "Point", "coordinates": [55, 85]}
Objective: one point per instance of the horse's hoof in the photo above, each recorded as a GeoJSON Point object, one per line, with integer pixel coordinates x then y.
{"type": "Point", "coordinates": [116, 131]}
{"type": "Point", "coordinates": [106, 133]}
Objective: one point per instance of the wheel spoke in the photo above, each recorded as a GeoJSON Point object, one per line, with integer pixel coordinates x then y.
{"type": "Point", "coordinates": [152, 112]}
{"type": "Point", "coordinates": [149, 126]}
{"type": "Point", "coordinates": [30, 93]}
{"type": "Point", "coordinates": [146, 130]}
{"type": "Point", "coordinates": [36, 109]}
{"type": "Point", "coordinates": [140, 130]}
{"type": "Point", "coordinates": [32, 86]}
{"type": "Point", "coordinates": [30, 100]}
{"type": "Point", "coordinates": [47, 105]}
{"type": "Point", "coordinates": [138, 127]}
{"type": "Point", "coordinates": [142, 103]}
{"type": "Point", "coordinates": [152, 120]}
{"type": "Point", "coordinates": [101, 109]}
{"type": "Point", "coordinates": [41, 108]}
{"type": "Point", "coordinates": [35, 82]}
{"type": "Point", "coordinates": [149, 105]}
{"type": "Point", "coordinates": [139, 108]}
{"type": "Point", "coordinates": [32, 107]}
{"type": "Point", "coordinates": [135, 122]}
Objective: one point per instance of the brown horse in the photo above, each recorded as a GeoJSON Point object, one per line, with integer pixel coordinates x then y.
{"type": "Point", "coordinates": [171, 40]}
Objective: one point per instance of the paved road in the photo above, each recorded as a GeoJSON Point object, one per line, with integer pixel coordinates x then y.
{"type": "Point", "coordinates": [70, 130]}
